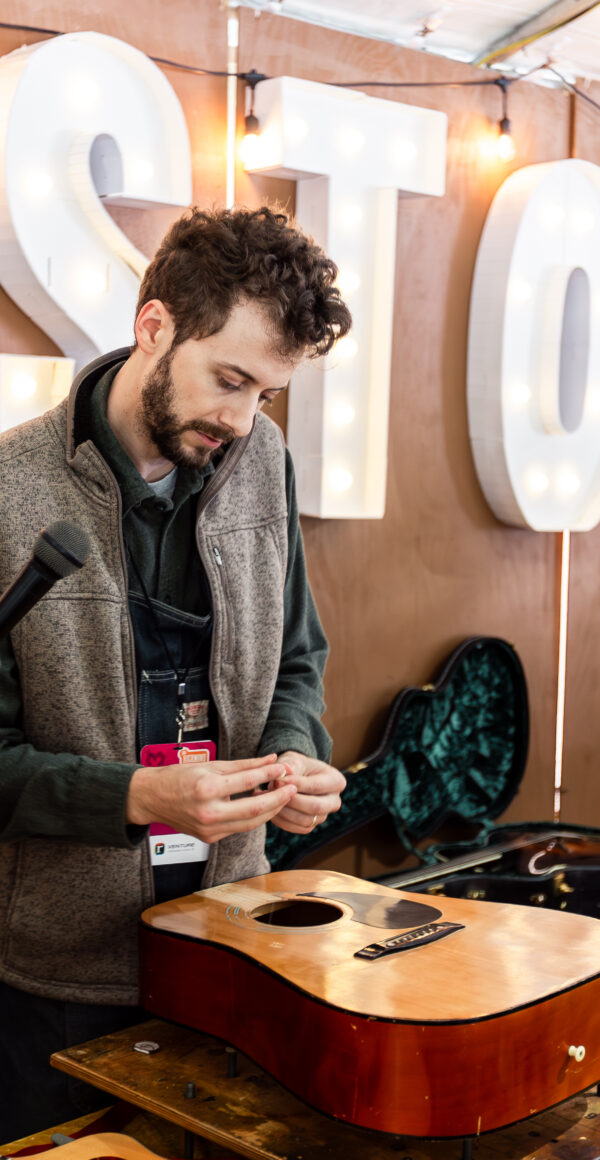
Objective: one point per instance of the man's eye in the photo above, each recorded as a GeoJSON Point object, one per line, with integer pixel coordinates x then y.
{"type": "Point", "coordinates": [267, 400]}
{"type": "Point", "coordinates": [227, 385]}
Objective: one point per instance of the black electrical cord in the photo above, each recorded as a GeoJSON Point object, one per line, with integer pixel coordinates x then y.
{"type": "Point", "coordinates": [572, 88]}
{"type": "Point", "coordinates": [253, 78]}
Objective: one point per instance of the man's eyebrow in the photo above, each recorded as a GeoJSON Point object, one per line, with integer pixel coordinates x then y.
{"type": "Point", "coordinates": [239, 371]}
{"type": "Point", "coordinates": [246, 375]}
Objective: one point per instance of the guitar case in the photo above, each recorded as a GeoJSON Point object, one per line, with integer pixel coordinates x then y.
{"type": "Point", "coordinates": [455, 751]}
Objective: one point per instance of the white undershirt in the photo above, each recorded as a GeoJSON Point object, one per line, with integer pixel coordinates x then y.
{"type": "Point", "coordinates": [166, 486]}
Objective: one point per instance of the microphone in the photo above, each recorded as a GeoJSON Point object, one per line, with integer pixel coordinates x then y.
{"type": "Point", "coordinates": [60, 549]}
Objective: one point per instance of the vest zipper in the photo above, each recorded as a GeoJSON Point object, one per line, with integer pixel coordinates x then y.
{"type": "Point", "coordinates": [224, 585]}
{"type": "Point", "coordinates": [219, 478]}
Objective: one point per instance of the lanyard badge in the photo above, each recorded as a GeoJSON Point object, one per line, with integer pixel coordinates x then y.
{"type": "Point", "coordinates": [168, 847]}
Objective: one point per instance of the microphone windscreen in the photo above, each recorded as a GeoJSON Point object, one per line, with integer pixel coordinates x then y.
{"type": "Point", "coordinates": [62, 546]}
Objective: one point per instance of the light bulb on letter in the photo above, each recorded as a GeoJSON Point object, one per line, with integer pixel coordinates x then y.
{"type": "Point", "coordinates": [23, 386]}
{"type": "Point", "coordinates": [340, 479]}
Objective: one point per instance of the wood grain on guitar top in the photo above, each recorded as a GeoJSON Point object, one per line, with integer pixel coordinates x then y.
{"type": "Point", "coordinates": [455, 1037]}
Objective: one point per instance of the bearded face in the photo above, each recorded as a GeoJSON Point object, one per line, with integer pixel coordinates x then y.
{"type": "Point", "coordinates": [159, 419]}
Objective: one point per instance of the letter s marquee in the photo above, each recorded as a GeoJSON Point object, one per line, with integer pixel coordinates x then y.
{"type": "Point", "coordinates": [83, 117]}
{"type": "Point", "coordinates": [534, 349]}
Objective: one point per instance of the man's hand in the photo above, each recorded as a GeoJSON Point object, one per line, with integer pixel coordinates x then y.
{"type": "Point", "coordinates": [196, 799]}
{"type": "Point", "coordinates": [319, 787]}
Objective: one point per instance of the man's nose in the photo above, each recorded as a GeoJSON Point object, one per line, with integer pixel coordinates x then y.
{"type": "Point", "coordinates": [239, 412]}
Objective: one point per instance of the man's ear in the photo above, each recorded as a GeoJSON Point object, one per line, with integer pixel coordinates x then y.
{"type": "Point", "coordinates": [154, 329]}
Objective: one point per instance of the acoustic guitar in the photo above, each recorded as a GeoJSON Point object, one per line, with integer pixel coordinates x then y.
{"type": "Point", "coordinates": [382, 1008]}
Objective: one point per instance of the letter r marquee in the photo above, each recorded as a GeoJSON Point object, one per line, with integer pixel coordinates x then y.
{"type": "Point", "coordinates": [350, 155]}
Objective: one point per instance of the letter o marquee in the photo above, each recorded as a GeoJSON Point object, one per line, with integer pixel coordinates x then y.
{"type": "Point", "coordinates": [534, 349]}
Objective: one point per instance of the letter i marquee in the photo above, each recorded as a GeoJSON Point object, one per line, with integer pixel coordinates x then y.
{"type": "Point", "coordinates": [351, 155]}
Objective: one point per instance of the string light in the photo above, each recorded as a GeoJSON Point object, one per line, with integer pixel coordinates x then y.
{"type": "Point", "coordinates": [429, 25]}
{"type": "Point", "coordinates": [251, 122]}
{"type": "Point", "coordinates": [506, 145]}
{"type": "Point", "coordinates": [351, 142]}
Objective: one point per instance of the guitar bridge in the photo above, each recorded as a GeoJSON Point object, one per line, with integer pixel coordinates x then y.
{"type": "Point", "coordinates": [412, 938]}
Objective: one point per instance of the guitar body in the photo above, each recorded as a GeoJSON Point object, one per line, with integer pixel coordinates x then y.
{"type": "Point", "coordinates": [459, 1029]}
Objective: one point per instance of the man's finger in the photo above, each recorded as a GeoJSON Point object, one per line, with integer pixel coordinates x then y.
{"type": "Point", "coordinates": [253, 810]}
{"type": "Point", "coordinates": [308, 806]}
{"type": "Point", "coordinates": [249, 779]}
{"type": "Point", "coordinates": [324, 781]}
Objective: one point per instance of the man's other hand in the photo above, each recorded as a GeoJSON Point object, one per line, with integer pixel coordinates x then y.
{"type": "Point", "coordinates": [201, 799]}
{"type": "Point", "coordinates": [319, 788]}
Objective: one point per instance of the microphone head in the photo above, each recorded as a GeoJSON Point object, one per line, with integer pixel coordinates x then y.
{"type": "Point", "coordinates": [62, 546]}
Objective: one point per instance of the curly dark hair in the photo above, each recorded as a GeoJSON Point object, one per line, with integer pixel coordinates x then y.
{"type": "Point", "coordinates": [211, 260]}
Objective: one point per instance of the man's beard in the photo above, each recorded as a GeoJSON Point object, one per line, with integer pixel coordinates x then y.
{"type": "Point", "coordinates": [159, 421]}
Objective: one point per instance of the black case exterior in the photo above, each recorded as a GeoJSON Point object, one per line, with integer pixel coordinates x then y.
{"type": "Point", "coordinates": [456, 749]}
{"type": "Point", "coordinates": [548, 865]}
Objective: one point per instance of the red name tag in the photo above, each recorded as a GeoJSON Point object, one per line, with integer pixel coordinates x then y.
{"type": "Point", "coordinates": [166, 845]}
{"type": "Point", "coordinates": [178, 753]}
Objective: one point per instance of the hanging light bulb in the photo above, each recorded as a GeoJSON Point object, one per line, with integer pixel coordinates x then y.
{"type": "Point", "coordinates": [505, 144]}
{"type": "Point", "coordinates": [249, 141]}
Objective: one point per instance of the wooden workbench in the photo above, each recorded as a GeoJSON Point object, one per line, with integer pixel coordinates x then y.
{"type": "Point", "coordinates": [251, 1115]}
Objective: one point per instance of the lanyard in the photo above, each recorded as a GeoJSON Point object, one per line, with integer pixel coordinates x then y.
{"type": "Point", "coordinates": [180, 674]}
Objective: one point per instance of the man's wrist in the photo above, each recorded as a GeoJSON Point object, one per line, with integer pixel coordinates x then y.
{"type": "Point", "coordinates": [287, 743]}
{"type": "Point", "coordinates": [137, 809]}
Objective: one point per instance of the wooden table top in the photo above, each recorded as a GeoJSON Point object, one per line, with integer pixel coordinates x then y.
{"type": "Point", "coordinates": [251, 1115]}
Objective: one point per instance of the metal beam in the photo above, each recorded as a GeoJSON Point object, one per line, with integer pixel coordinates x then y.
{"type": "Point", "coordinates": [555, 16]}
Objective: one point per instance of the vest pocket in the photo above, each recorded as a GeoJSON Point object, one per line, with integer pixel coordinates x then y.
{"type": "Point", "coordinates": [73, 917]}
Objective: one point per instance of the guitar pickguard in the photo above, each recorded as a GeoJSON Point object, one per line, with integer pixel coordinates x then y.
{"type": "Point", "coordinates": [378, 910]}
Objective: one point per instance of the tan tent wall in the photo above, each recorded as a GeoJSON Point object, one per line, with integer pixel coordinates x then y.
{"type": "Point", "coordinates": [396, 595]}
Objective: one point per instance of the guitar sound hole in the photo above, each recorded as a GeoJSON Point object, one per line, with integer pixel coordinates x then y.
{"type": "Point", "coordinates": [296, 912]}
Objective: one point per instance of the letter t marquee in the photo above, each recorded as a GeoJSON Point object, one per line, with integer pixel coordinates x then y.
{"type": "Point", "coordinates": [351, 155]}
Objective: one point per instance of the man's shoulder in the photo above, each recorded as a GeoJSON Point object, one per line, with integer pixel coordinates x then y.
{"type": "Point", "coordinates": [265, 429]}
{"type": "Point", "coordinates": [264, 454]}
{"type": "Point", "coordinates": [30, 438]}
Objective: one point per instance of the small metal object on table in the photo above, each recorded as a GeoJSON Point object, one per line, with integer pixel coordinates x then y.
{"type": "Point", "coordinates": [188, 1082]}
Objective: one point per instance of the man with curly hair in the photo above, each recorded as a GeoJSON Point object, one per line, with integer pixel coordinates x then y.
{"type": "Point", "coordinates": [191, 621]}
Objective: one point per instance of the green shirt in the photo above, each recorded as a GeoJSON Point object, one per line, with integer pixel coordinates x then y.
{"type": "Point", "coordinates": [71, 797]}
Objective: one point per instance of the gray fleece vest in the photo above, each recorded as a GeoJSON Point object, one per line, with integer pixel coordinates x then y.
{"type": "Point", "coordinates": [68, 912]}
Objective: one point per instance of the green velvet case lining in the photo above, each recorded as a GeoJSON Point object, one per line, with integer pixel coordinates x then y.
{"type": "Point", "coordinates": [456, 748]}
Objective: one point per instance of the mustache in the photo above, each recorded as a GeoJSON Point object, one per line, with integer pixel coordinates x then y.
{"type": "Point", "coordinates": [213, 430]}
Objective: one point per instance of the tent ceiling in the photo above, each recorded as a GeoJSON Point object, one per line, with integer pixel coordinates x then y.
{"type": "Point", "coordinates": [502, 33]}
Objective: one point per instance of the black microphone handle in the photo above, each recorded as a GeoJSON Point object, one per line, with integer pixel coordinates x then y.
{"type": "Point", "coordinates": [33, 582]}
